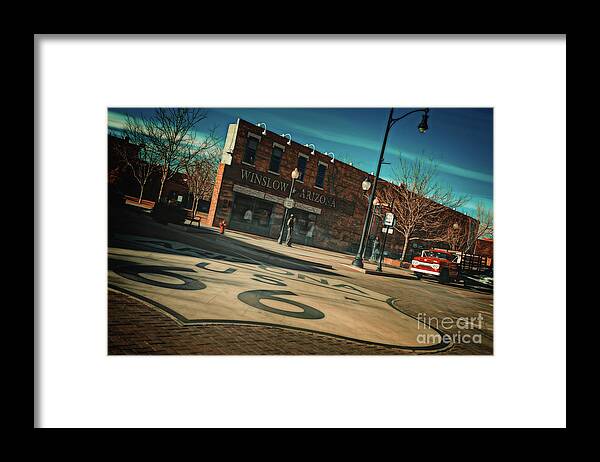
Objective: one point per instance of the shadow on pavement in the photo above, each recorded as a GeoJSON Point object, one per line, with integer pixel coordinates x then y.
{"type": "Point", "coordinates": [459, 286]}
{"type": "Point", "coordinates": [139, 223]}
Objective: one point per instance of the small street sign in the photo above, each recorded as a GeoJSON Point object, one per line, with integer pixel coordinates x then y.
{"type": "Point", "coordinates": [288, 203]}
{"type": "Point", "coordinates": [389, 219]}
{"type": "Point", "coordinates": [388, 230]}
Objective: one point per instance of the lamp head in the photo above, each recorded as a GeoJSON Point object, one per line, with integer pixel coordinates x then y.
{"type": "Point", "coordinates": [423, 125]}
{"type": "Point", "coordinates": [366, 184]}
{"type": "Point", "coordinates": [295, 174]}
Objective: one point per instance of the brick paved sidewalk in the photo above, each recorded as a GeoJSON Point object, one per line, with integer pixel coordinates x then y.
{"type": "Point", "coordinates": [136, 328]}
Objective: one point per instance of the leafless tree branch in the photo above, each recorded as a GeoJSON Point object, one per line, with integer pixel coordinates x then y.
{"type": "Point", "coordinates": [422, 206]}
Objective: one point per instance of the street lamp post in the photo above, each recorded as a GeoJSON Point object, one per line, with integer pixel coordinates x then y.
{"type": "Point", "coordinates": [455, 227]}
{"type": "Point", "coordinates": [391, 121]}
{"type": "Point", "coordinates": [365, 185]}
{"type": "Point", "coordinates": [295, 175]}
{"type": "Point", "coordinates": [372, 219]}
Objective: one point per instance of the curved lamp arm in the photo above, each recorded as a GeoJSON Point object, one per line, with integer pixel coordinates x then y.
{"type": "Point", "coordinates": [396, 119]}
{"type": "Point", "coordinates": [313, 147]}
{"type": "Point", "coordinates": [264, 132]}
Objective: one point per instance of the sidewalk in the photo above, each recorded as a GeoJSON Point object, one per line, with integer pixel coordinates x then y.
{"type": "Point", "coordinates": [337, 260]}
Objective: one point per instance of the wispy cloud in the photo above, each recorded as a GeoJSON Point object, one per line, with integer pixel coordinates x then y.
{"type": "Point", "coordinates": [117, 120]}
{"type": "Point", "coordinates": [470, 207]}
{"type": "Point", "coordinates": [445, 167]}
{"type": "Point", "coordinates": [352, 141]}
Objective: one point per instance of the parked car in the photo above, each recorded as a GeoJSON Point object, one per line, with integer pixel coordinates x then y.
{"type": "Point", "coordinates": [454, 266]}
{"type": "Point", "coordinates": [484, 280]}
{"type": "Point", "coordinates": [437, 263]}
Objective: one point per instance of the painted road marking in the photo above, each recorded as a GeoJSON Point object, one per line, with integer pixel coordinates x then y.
{"type": "Point", "coordinates": [200, 286]}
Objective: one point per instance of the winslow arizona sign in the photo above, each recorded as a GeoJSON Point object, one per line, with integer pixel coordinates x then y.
{"type": "Point", "coordinates": [267, 182]}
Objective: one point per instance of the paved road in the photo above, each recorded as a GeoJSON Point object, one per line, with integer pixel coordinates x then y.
{"type": "Point", "coordinates": [262, 301]}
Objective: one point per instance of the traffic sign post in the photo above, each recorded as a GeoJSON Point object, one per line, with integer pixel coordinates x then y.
{"type": "Point", "coordinates": [389, 222]}
{"type": "Point", "coordinates": [390, 219]}
{"type": "Point", "coordinates": [289, 203]}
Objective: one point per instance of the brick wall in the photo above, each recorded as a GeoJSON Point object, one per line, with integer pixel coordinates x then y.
{"type": "Point", "coordinates": [337, 227]}
{"type": "Point", "coordinates": [484, 247]}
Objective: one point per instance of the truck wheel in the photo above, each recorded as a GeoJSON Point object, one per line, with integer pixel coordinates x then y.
{"type": "Point", "coordinates": [444, 277]}
{"type": "Point", "coordinates": [417, 275]}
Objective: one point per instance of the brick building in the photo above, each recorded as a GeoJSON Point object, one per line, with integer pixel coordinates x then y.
{"type": "Point", "coordinates": [485, 247]}
{"type": "Point", "coordinates": [254, 179]}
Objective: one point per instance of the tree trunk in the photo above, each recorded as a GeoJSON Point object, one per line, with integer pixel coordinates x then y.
{"type": "Point", "coordinates": [162, 182]}
{"type": "Point", "coordinates": [195, 206]}
{"type": "Point", "coordinates": [141, 193]}
{"type": "Point", "coordinates": [404, 249]}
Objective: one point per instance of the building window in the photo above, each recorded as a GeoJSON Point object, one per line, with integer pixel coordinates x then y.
{"type": "Point", "coordinates": [251, 214]}
{"type": "Point", "coordinates": [250, 154]}
{"type": "Point", "coordinates": [302, 166]}
{"type": "Point", "coordinates": [275, 159]}
{"type": "Point", "coordinates": [321, 175]}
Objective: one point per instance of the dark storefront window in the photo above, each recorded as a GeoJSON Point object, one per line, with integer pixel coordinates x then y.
{"type": "Point", "coordinates": [321, 176]}
{"type": "Point", "coordinates": [251, 214]}
{"type": "Point", "coordinates": [250, 154]}
{"type": "Point", "coordinates": [301, 167]}
{"type": "Point", "coordinates": [304, 230]}
{"type": "Point", "coordinates": [275, 159]}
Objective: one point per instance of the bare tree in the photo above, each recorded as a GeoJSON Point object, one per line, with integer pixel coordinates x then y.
{"type": "Point", "coordinates": [456, 231]}
{"type": "Point", "coordinates": [421, 205]}
{"type": "Point", "coordinates": [138, 152]}
{"type": "Point", "coordinates": [485, 226]}
{"type": "Point", "coordinates": [169, 133]}
{"type": "Point", "coordinates": [201, 166]}
{"type": "Point", "coordinates": [116, 170]}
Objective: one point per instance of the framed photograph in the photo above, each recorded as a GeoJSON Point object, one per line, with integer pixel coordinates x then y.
{"type": "Point", "coordinates": [222, 228]}
{"type": "Point", "coordinates": [299, 231]}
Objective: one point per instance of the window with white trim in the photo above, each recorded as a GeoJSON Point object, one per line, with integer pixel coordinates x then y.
{"type": "Point", "coordinates": [302, 161]}
{"type": "Point", "coordinates": [276, 156]}
{"type": "Point", "coordinates": [321, 170]}
{"type": "Point", "coordinates": [250, 153]}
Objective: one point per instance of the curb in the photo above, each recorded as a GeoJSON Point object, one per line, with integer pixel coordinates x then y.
{"type": "Point", "coordinates": [379, 273]}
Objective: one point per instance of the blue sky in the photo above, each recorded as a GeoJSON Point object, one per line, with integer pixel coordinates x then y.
{"type": "Point", "coordinates": [460, 140]}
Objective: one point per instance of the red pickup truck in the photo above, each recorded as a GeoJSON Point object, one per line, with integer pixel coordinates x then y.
{"type": "Point", "coordinates": [437, 263]}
